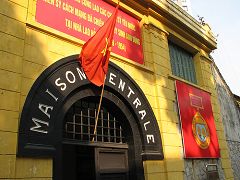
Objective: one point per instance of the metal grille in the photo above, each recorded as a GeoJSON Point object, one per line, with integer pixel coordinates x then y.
{"type": "Point", "coordinates": [182, 63]}
{"type": "Point", "coordinates": [80, 122]}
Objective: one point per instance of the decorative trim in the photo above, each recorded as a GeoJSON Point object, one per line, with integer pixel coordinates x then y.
{"type": "Point", "coordinates": [170, 12]}
{"type": "Point", "coordinates": [207, 59]}
{"type": "Point", "coordinates": [148, 25]}
{"type": "Point", "coordinates": [170, 76]}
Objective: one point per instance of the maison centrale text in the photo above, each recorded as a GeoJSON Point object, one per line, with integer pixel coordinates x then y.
{"type": "Point", "coordinates": [68, 78]}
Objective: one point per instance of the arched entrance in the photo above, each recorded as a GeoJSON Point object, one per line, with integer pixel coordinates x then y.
{"type": "Point", "coordinates": [50, 127]}
{"type": "Point", "coordinates": [116, 150]}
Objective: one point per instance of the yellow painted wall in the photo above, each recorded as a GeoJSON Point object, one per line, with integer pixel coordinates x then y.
{"type": "Point", "coordinates": [27, 49]}
{"type": "Point", "coordinates": [157, 54]}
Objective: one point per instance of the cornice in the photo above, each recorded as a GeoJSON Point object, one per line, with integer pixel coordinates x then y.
{"type": "Point", "coordinates": [179, 20]}
{"type": "Point", "coordinates": [152, 29]}
{"type": "Point", "coordinates": [174, 17]}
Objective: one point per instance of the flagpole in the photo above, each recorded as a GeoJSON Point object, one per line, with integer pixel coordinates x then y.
{"type": "Point", "coordinates": [99, 107]}
{"type": "Point", "coordinates": [104, 37]}
{"type": "Point", "coordinates": [100, 102]}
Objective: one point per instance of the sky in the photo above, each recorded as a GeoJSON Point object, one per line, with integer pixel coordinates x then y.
{"type": "Point", "coordinates": [224, 20]}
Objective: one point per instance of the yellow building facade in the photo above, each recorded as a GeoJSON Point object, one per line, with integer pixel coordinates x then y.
{"type": "Point", "coordinates": [28, 48]}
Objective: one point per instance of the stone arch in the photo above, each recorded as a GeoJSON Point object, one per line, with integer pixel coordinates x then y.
{"type": "Point", "coordinates": [40, 123]}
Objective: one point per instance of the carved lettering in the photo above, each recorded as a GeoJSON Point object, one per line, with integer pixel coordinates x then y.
{"type": "Point", "coordinates": [145, 124]}
{"type": "Point", "coordinates": [81, 73]}
{"type": "Point", "coordinates": [62, 85]}
{"type": "Point", "coordinates": [111, 78]}
{"type": "Point", "coordinates": [150, 138]}
{"type": "Point", "coordinates": [44, 108]}
{"type": "Point", "coordinates": [130, 92]}
{"type": "Point", "coordinates": [121, 85]}
{"type": "Point", "coordinates": [73, 78]}
{"type": "Point", "coordinates": [142, 113]}
{"type": "Point", "coordinates": [38, 125]}
{"type": "Point", "coordinates": [137, 102]}
{"type": "Point", "coordinates": [54, 97]}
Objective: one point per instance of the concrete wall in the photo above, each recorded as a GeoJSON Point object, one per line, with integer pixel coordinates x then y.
{"type": "Point", "coordinates": [196, 169]}
{"type": "Point", "coordinates": [231, 121]}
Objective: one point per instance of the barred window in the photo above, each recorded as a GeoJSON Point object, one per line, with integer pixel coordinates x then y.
{"type": "Point", "coordinates": [182, 63]}
{"type": "Point", "coordinates": [80, 122]}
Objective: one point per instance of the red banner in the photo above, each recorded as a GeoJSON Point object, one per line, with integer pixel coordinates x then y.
{"type": "Point", "coordinates": [82, 18]}
{"type": "Point", "coordinates": [198, 128]}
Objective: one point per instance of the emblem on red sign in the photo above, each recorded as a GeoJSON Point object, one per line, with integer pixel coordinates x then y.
{"type": "Point", "coordinates": [201, 131]}
{"type": "Point", "coordinates": [198, 128]}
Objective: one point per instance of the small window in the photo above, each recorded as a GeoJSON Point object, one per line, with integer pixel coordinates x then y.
{"type": "Point", "coordinates": [182, 63]}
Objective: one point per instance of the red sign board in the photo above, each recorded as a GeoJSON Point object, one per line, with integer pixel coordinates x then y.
{"type": "Point", "coordinates": [82, 18]}
{"type": "Point", "coordinates": [198, 128]}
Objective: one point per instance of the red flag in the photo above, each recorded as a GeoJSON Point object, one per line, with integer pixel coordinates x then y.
{"type": "Point", "coordinates": [95, 53]}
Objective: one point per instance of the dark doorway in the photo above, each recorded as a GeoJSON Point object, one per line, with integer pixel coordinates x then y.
{"type": "Point", "coordinates": [104, 157]}
{"type": "Point", "coordinates": [78, 162]}
{"type": "Point", "coordinates": [93, 163]}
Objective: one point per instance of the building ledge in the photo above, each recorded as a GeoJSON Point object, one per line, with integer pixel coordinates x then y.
{"type": "Point", "coordinates": [173, 14]}
{"type": "Point", "coordinates": [174, 17]}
